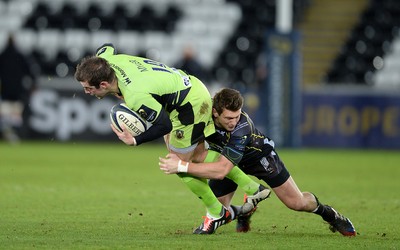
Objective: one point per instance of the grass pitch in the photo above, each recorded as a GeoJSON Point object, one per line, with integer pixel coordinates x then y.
{"type": "Point", "coordinates": [111, 196]}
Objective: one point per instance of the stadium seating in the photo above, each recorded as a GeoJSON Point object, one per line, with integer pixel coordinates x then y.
{"type": "Point", "coordinates": [227, 34]}
{"type": "Point", "coordinates": [238, 60]}
{"type": "Point", "coordinates": [147, 28]}
{"type": "Point", "coordinates": [369, 45]}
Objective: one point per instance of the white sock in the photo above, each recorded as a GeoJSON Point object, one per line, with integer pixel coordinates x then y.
{"type": "Point", "coordinates": [232, 212]}
{"type": "Point", "coordinates": [315, 210]}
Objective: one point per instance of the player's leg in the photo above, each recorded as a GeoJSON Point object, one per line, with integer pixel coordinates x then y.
{"type": "Point", "coordinates": [273, 174]}
{"type": "Point", "coordinates": [248, 185]}
{"type": "Point", "coordinates": [217, 215]}
{"type": "Point", "coordinates": [337, 222]}
{"type": "Point", "coordinates": [226, 199]}
{"type": "Point", "coordinates": [289, 193]}
{"type": "Point", "coordinates": [224, 190]}
{"type": "Point", "coordinates": [236, 211]}
{"type": "Point", "coordinates": [193, 122]}
{"type": "Point", "coordinates": [199, 186]}
{"type": "Point", "coordinates": [255, 191]}
{"type": "Point", "coordinates": [293, 198]}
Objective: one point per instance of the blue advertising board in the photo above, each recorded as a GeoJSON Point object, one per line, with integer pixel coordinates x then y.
{"type": "Point", "coordinates": [351, 119]}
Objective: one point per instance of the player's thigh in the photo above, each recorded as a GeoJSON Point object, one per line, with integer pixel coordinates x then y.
{"type": "Point", "coordinates": [200, 152]}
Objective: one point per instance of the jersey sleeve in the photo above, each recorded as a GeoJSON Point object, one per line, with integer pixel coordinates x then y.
{"type": "Point", "coordinates": [161, 127]}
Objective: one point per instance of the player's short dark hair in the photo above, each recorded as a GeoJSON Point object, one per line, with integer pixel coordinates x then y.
{"type": "Point", "coordinates": [94, 70]}
{"type": "Point", "coordinates": [229, 99]}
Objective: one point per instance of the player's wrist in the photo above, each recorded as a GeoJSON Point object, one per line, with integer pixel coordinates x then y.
{"type": "Point", "coordinates": [182, 168]}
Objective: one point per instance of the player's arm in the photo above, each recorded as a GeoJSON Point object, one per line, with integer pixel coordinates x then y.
{"type": "Point", "coordinates": [151, 111]}
{"type": "Point", "coordinates": [161, 126]}
{"type": "Point", "coordinates": [171, 164]}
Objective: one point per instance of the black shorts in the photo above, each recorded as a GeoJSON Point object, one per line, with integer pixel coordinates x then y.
{"type": "Point", "coordinates": [269, 169]}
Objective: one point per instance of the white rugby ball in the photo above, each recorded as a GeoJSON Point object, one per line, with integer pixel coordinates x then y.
{"type": "Point", "coordinates": [121, 115]}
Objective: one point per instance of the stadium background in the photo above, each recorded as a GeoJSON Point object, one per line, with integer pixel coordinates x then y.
{"type": "Point", "coordinates": [331, 81]}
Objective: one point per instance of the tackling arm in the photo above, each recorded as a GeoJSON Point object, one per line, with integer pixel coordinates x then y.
{"type": "Point", "coordinates": [171, 164]}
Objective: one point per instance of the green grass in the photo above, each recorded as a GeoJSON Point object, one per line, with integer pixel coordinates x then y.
{"type": "Point", "coordinates": [110, 196]}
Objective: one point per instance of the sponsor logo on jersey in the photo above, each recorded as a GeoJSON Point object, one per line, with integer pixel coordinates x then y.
{"type": "Point", "coordinates": [147, 113]}
{"type": "Point", "coordinates": [180, 134]}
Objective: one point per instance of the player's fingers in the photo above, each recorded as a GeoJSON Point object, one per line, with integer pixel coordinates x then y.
{"type": "Point", "coordinates": [164, 169]}
{"type": "Point", "coordinates": [114, 129]}
{"type": "Point", "coordinates": [125, 130]}
{"type": "Point", "coordinates": [163, 163]}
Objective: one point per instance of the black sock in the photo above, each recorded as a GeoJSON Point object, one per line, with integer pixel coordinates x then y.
{"type": "Point", "coordinates": [326, 212]}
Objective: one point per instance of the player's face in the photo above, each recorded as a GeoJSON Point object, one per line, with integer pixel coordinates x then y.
{"type": "Point", "coordinates": [227, 119]}
{"type": "Point", "coordinates": [93, 91]}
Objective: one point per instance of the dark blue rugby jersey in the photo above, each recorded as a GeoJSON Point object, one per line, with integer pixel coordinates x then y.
{"type": "Point", "coordinates": [244, 146]}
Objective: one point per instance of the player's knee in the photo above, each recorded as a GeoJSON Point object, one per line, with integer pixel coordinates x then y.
{"type": "Point", "coordinates": [306, 202]}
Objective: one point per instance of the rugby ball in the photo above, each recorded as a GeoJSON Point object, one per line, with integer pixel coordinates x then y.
{"type": "Point", "coordinates": [121, 115]}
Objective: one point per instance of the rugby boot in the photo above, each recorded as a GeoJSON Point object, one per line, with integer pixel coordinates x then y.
{"type": "Point", "coordinates": [341, 224]}
{"type": "Point", "coordinates": [251, 201]}
{"type": "Point", "coordinates": [210, 225]}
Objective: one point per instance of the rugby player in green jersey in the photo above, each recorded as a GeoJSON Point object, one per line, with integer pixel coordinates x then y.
{"type": "Point", "coordinates": [241, 144]}
{"type": "Point", "coordinates": [179, 107]}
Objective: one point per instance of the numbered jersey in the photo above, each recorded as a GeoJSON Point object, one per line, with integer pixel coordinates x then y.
{"type": "Point", "coordinates": [147, 85]}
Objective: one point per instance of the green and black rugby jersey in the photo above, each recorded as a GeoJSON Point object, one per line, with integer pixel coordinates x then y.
{"type": "Point", "coordinates": [147, 85]}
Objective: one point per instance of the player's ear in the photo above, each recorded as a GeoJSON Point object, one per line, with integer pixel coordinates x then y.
{"type": "Point", "coordinates": [214, 112]}
{"type": "Point", "coordinates": [104, 84]}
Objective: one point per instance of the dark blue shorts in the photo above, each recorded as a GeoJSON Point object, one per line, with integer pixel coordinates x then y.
{"type": "Point", "coordinates": [269, 169]}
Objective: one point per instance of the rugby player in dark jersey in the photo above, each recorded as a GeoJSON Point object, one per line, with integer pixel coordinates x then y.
{"type": "Point", "coordinates": [241, 144]}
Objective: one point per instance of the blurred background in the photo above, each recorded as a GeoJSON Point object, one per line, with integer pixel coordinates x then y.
{"type": "Point", "coordinates": [314, 73]}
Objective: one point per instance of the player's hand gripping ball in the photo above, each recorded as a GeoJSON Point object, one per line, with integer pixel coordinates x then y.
{"type": "Point", "coordinates": [121, 115]}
